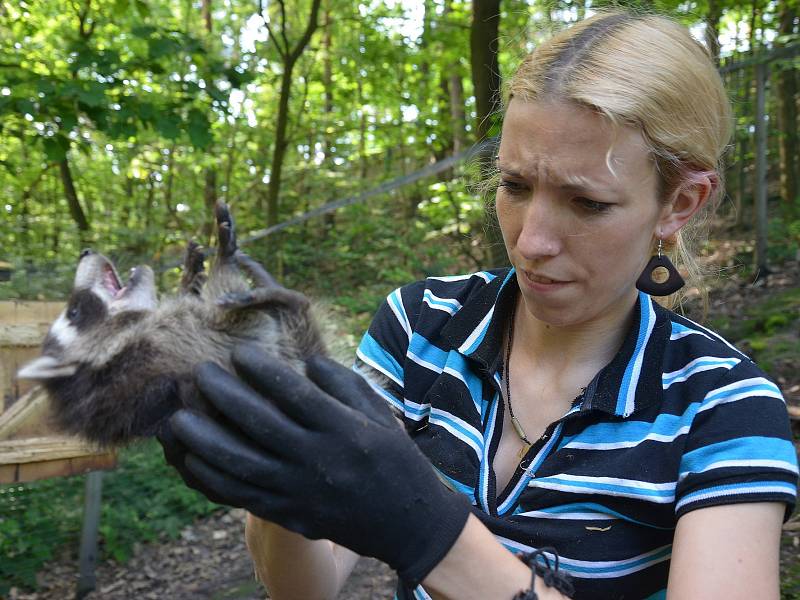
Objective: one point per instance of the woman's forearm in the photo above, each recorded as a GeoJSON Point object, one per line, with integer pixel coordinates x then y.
{"type": "Point", "coordinates": [292, 567]}
{"type": "Point", "coordinates": [478, 567]}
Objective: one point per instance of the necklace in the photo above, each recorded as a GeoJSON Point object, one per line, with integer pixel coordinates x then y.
{"type": "Point", "coordinates": [514, 421]}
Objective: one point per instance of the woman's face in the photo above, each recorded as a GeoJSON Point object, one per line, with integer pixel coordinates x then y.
{"type": "Point", "coordinates": [578, 234]}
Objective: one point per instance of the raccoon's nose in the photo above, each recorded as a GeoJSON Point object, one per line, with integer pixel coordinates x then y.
{"type": "Point", "coordinates": [86, 252]}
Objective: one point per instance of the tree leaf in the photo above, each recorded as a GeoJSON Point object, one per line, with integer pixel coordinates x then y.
{"type": "Point", "coordinates": [93, 93]}
{"type": "Point", "coordinates": [199, 129]}
{"type": "Point", "coordinates": [162, 46]}
{"type": "Point", "coordinates": [143, 8]}
{"type": "Point", "coordinates": [56, 147]}
{"type": "Point", "coordinates": [168, 125]}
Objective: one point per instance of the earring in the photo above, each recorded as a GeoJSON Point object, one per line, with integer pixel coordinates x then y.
{"type": "Point", "coordinates": [648, 284]}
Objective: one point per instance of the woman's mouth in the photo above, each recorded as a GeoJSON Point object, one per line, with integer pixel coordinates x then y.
{"type": "Point", "coordinates": [541, 282]}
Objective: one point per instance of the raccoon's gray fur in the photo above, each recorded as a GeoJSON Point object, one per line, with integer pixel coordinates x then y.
{"type": "Point", "coordinates": [117, 362]}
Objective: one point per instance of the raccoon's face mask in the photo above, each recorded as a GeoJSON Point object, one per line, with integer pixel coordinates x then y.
{"type": "Point", "coordinates": [98, 298]}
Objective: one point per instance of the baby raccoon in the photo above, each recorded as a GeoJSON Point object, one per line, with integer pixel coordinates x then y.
{"type": "Point", "coordinates": [117, 362]}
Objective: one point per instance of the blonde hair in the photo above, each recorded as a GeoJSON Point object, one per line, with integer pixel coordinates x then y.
{"type": "Point", "coordinates": [646, 71]}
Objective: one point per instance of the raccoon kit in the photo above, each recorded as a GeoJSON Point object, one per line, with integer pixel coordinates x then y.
{"type": "Point", "coordinates": [117, 361]}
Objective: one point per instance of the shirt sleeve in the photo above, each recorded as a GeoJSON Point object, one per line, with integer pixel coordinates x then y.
{"type": "Point", "coordinates": [739, 446]}
{"type": "Point", "coordinates": [382, 352]}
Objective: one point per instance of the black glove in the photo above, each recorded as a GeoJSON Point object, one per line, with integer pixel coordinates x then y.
{"type": "Point", "coordinates": [322, 456]}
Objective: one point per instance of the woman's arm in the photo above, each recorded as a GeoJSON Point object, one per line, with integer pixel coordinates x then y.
{"type": "Point", "coordinates": [292, 567]}
{"type": "Point", "coordinates": [478, 567]}
{"type": "Point", "coordinates": [727, 552]}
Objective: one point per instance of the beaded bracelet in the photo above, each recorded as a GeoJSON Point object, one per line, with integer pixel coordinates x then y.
{"type": "Point", "coordinates": [551, 576]}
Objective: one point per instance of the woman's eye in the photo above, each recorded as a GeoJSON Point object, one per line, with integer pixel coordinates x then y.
{"type": "Point", "coordinates": [512, 187]}
{"type": "Point", "coordinates": [593, 205]}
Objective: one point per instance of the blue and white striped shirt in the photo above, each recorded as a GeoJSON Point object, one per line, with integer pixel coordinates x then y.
{"type": "Point", "coordinates": [678, 420]}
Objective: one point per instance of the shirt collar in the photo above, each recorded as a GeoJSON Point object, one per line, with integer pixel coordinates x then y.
{"type": "Point", "coordinates": [630, 382]}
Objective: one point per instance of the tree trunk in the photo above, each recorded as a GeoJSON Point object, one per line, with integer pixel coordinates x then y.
{"type": "Point", "coordinates": [486, 83]}
{"type": "Point", "coordinates": [279, 148]}
{"type": "Point", "coordinates": [760, 183]}
{"type": "Point", "coordinates": [713, 15]}
{"type": "Point", "coordinates": [72, 196]}
{"type": "Point", "coordinates": [329, 218]}
{"type": "Point", "coordinates": [485, 67]}
{"type": "Point", "coordinates": [207, 15]}
{"type": "Point", "coordinates": [457, 113]}
{"type": "Point", "coordinates": [455, 88]}
{"type": "Point", "coordinates": [209, 199]}
{"type": "Point", "coordinates": [362, 131]}
{"type": "Point", "coordinates": [281, 142]}
{"type": "Point", "coordinates": [787, 122]}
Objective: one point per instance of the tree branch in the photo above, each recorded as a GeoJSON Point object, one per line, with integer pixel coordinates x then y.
{"type": "Point", "coordinates": [311, 27]}
{"type": "Point", "coordinates": [283, 23]}
{"type": "Point", "coordinates": [284, 52]}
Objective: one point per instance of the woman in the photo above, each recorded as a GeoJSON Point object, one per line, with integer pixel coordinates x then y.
{"type": "Point", "coordinates": [559, 405]}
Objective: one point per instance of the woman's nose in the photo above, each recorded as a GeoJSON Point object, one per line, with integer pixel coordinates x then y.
{"type": "Point", "coordinates": [540, 235]}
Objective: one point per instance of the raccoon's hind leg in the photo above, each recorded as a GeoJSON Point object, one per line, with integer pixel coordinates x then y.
{"type": "Point", "coordinates": [291, 308]}
{"type": "Point", "coordinates": [229, 249]}
{"type": "Point", "coordinates": [278, 298]}
{"type": "Point", "coordinates": [194, 276]}
{"type": "Point", "coordinates": [229, 256]}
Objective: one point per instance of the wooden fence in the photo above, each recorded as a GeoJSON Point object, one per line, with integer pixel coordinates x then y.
{"type": "Point", "coordinates": [29, 447]}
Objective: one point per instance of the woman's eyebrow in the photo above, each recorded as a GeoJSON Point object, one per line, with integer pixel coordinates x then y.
{"type": "Point", "coordinates": [563, 180]}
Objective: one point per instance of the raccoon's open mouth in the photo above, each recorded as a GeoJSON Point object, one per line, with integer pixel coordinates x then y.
{"type": "Point", "coordinates": [111, 281]}
{"type": "Point", "coordinates": [113, 284]}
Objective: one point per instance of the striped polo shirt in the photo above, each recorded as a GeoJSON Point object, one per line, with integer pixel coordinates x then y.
{"type": "Point", "coordinates": [678, 420]}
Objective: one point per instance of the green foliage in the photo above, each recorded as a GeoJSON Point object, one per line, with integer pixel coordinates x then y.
{"type": "Point", "coordinates": [790, 573]}
{"type": "Point", "coordinates": [143, 500]}
{"type": "Point", "coordinates": [769, 332]}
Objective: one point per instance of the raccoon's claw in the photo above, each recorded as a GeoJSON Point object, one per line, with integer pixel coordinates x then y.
{"type": "Point", "coordinates": [226, 232]}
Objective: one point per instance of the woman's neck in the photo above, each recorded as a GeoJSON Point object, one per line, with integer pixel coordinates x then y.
{"type": "Point", "coordinates": [589, 345]}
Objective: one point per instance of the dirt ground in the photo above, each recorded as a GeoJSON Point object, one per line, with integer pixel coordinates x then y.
{"type": "Point", "coordinates": [208, 562]}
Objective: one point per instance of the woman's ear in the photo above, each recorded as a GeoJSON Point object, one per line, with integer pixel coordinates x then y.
{"type": "Point", "coordinates": [686, 201]}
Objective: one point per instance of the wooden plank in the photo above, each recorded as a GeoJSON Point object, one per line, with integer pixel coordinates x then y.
{"type": "Point", "coordinates": [23, 334]}
{"type": "Point", "coordinates": [28, 417]}
{"type": "Point", "coordinates": [19, 312]}
{"type": "Point", "coordinates": [23, 326]}
{"type": "Point", "coordinates": [11, 359]}
{"type": "Point", "coordinates": [27, 472]}
{"type": "Point", "coordinates": [37, 449]}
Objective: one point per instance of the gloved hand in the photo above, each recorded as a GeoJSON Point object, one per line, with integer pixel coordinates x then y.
{"type": "Point", "coordinates": [322, 456]}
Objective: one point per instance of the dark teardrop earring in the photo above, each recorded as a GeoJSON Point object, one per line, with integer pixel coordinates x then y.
{"type": "Point", "coordinates": [649, 285]}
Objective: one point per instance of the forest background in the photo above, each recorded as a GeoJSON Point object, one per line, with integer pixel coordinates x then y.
{"type": "Point", "coordinates": [123, 121]}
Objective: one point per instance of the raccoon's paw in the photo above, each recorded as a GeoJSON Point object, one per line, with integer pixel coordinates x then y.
{"type": "Point", "coordinates": [193, 277]}
{"type": "Point", "coordinates": [226, 231]}
{"type": "Point", "coordinates": [264, 298]}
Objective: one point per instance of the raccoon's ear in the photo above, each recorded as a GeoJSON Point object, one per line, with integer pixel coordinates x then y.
{"type": "Point", "coordinates": [46, 367]}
